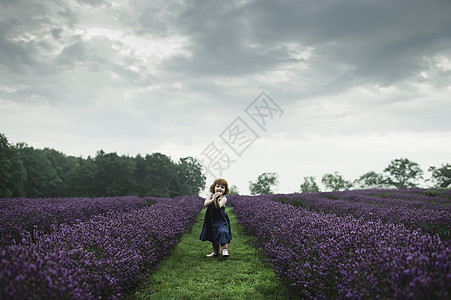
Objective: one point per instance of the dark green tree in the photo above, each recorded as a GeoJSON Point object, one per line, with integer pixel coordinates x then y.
{"type": "Point", "coordinates": [29, 172]}
{"type": "Point", "coordinates": [140, 176]}
{"type": "Point", "coordinates": [368, 179]}
{"type": "Point", "coordinates": [189, 179]}
{"type": "Point", "coordinates": [82, 178]}
{"type": "Point", "coordinates": [12, 171]}
{"type": "Point", "coordinates": [42, 178]}
{"type": "Point", "coordinates": [115, 175]}
{"type": "Point", "coordinates": [335, 182]}
{"type": "Point", "coordinates": [264, 184]}
{"type": "Point", "coordinates": [441, 176]}
{"type": "Point", "coordinates": [309, 185]}
{"type": "Point", "coordinates": [233, 190]}
{"type": "Point", "coordinates": [403, 173]}
{"type": "Point", "coordinates": [62, 164]}
{"type": "Point", "coordinates": [159, 171]}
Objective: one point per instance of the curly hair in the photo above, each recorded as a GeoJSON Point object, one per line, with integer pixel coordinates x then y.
{"type": "Point", "coordinates": [221, 182]}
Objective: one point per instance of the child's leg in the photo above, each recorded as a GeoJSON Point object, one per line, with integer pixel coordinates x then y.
{"type": "Point", "coordinates": [224, 251]}
{"type": "Point", "coordinates": [215, 248]}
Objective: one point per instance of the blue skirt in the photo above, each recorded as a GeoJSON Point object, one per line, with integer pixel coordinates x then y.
{"type": "Point", "coordinates": [216, 228]}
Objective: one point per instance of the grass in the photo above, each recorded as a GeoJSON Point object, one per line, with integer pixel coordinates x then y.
{"type": "Point", "coordinates": [188, 274]}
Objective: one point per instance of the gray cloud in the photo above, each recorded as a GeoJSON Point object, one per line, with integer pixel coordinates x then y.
{"type": "Point", "coordinates": [381, 42]}
{"type": "Point", "coordinates": [92, 2]}
{"type": "Point", "coordinates": [174, 72]}
{"type": "Point", "coordinates": [221, 43]}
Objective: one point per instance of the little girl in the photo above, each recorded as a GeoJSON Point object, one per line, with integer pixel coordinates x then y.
{"type": "Point", "coordinates": [216, 227]}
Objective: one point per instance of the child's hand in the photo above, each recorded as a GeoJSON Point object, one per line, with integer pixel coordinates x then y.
{"type": "Point", "coordinates": [217, 195]}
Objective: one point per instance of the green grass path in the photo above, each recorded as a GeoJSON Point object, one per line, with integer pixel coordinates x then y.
{"type": "Point", "coordinates": [188, 274]}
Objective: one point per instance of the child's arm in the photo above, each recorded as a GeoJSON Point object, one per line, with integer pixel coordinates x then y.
{"type": "Point", "coordinates": [220, 202]}
{"type": "Point", "coordinates": [209, 200]}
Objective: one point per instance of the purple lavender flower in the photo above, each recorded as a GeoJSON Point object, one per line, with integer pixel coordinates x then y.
{"type": "Point", "coordinates": [105, 257]}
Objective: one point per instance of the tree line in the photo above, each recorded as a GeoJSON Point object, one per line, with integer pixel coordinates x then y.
{"type": "Point", "coordinates": [33, 173]}
{"type": "Point", "coordinates": [400, 173]}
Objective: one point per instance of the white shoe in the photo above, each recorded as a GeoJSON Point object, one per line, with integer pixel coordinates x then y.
{"type": "Point", "coordinates": [211, 254]}
{"type": "Point", "coordinates": [225, 252]}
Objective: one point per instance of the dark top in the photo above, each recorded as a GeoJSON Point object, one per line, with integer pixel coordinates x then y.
{"type": "Point", "coordinates": [216, 228]}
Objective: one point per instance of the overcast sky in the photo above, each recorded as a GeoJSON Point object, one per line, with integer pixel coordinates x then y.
{"type": "Point", "coordinates": [349, 85]}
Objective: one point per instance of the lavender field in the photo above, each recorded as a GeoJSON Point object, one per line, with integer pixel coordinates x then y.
{"type": "Point", "coordinates": [98, 248]}
{"type": "Point", "coordinates": [387, 244]}
{"type": "Point", "coordinates": [426, 210]}
{"type": "Point", "coordinates": [373, 244]}
{"type": "Point", "coordinates": [24, 218]}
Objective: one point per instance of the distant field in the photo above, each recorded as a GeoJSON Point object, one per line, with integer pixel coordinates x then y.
{"type": "Point", "coordinates": [428, 211]}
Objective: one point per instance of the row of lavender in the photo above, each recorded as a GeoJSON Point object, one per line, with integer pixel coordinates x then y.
{"type": "Point", "coordinates": [438, 199]}
{"type": "Point", "coordinates": [27, 217]}
{"type": "Point", "coordinates": [420, 194]}
{"type": "Point", "coordinates": [105, 257]}
{"type": "Point", "coordinates": [430, 214]}
{"type": "Point", "coordinates": [324, 256]}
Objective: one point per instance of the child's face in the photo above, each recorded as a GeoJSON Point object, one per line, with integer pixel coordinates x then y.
{"type": "Point", "coordinates": [219, 188]}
